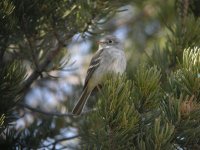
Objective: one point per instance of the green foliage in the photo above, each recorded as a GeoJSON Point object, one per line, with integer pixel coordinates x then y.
{"type": "Point", "coordinates": [165, 118]}
{"type": "Point", "coordinates": [34, 32]}
{"type": "Point", "coordinates": [126, 115]}
{"type": "Point", "coordinates": [184, 36]}
{"type": "Point", "coordinates": [185, 80]}
{"type": "Point", "coordinates": [185, 135]}
{"type": "Point", "coordinates": [156, 108]}
{"type": "Point", "coordinates": [162, 134]}
{"type": "Point", "coordinates": [31, 138]}
{"type": "Point", "coordinates": [180, 37]}
{"type": "Point", "coordinates": [170, 107]}
{"type": "Point", "coordinates": [157, 137]}
{"type": "Point", "coordinates": [146, 89]}
{"type": "Point", "coordinates": [6, 22]}
{"type": "Point", "coordinates": [181, 103]}
{"type": "Point", "coordinates": [2, 122]}
{"type": "Point", "coordinates": [116, 117]}
{"type": "Point", "coordinates": [32, 28]}
{"type": "Point", "coordinates": [11, 78]}
{"type": "Point", "coordinates": [191, 60]}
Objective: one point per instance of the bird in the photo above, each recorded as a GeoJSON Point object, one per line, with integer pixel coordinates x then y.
{"type": "Point", "coordinates": [109, 59]}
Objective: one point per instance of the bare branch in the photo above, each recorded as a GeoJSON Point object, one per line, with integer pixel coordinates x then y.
{"type": "Point", "coordinates": [60, 140]}
{"type": "Point", "coordinates": [57, 114]}
{"type": "Point", "coordinates": [44, 112]}
{"type": "Point", "coordinates": [63, 139]}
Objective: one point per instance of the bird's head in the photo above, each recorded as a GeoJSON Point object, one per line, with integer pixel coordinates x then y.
{"type": "Point", "coordinates": [110, 41]}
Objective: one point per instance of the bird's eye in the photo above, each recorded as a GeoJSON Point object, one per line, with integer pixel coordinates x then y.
{"type": "Point", "coordinates": [110, 41]}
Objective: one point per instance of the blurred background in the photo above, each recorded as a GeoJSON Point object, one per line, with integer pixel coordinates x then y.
{"type": "Point", "coordinates": [46, 47]}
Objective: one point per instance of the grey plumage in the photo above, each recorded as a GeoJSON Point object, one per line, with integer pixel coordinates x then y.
{"type": "Point", "coordinates": [110, 58]}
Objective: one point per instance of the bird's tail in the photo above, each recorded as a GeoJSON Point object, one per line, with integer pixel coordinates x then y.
{"type": "Point", "coordinates": [81, 102]}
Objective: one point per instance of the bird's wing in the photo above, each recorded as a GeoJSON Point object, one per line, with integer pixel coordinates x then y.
{"type": "Point", "coordinates": [94, 64]}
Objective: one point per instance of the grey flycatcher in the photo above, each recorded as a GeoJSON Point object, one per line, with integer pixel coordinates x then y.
{"type": "Point", "coordinates": [109, 59]}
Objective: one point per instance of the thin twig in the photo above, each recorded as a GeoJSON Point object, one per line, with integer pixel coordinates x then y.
{"type": "Point", "coordinates": [60, 140]}
{"type": "Point", "coordinates": [57, 114]}
{"type": "Point", "coordinates": [45, 146]}
{"type": "Point", "coordinates": [63, 139]}
{"type": "Point", "coordinates": [45, 112]}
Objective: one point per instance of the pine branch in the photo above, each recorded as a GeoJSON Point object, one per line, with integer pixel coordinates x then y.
{"type": "Point", "coordinates": [41, 67]}
{"type": "Point", "coordinates": [116, 119]}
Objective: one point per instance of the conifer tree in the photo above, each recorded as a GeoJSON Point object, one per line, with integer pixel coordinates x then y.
{"type": "Point", "coordinates": [153, 106]}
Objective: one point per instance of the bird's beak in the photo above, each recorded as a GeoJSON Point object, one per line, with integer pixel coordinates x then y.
{"type": "Point", "coordinates": [100, 42]}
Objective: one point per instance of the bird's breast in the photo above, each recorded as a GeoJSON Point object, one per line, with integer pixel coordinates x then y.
{"type": "Point", "coordinates": [114, 61]}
